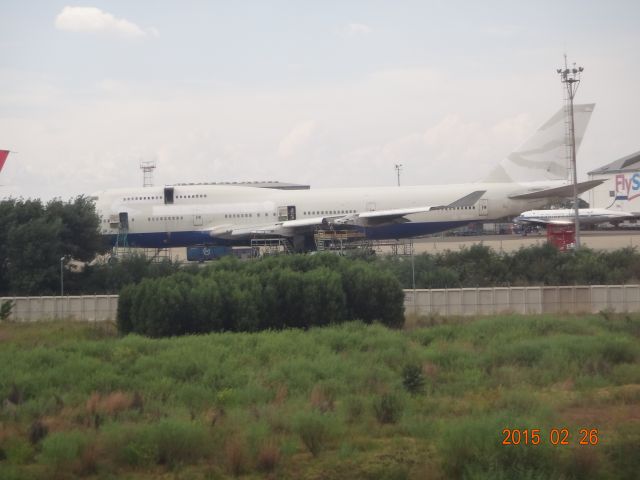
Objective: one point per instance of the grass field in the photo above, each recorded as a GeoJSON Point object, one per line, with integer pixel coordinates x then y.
{"type": "Point", "coordinates": [351, 401]}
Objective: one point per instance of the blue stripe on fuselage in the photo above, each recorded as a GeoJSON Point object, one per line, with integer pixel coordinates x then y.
{"type": "Point", "coordinates": [186, 239]}
{"type": "Point", "coordinates": [409, 229]}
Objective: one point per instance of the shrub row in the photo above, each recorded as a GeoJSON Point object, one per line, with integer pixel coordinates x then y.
{"type": "Point", "coordinates": [481, 266]}
{"type": "Point", "coordinates": [301, 291]}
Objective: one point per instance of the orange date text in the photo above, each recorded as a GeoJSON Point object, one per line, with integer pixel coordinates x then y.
{"type": "Point", "coordinates": [554, 436]}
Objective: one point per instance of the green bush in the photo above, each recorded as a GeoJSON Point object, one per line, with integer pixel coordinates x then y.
{"type": "Point", "coordinates": [313, 431]}
{"type": "Point", "coordinates": [130, 446]}
{"type": "Point", "coordinates": [169, 442]}
{"type": "Point", "coordinates": [61, 449]}
{"type": "Point", "coordinates": [480, 266]}
{"type": "Point", "coordinates": [5, 309]}
{"type": "Point", "coordinates": [294, 291]}
{"type": "Point", "coordinates": [18, 451]}
{"type": "Point", "coordinates": [472, 448]}
{"type": "Point", "coordinates": [623, 453]}
{"type": "Point", "coordinates": [388, 408]}
{"type": "Point", "coordinates": [413, 378]}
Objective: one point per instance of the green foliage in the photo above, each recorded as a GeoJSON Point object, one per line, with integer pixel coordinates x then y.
{"type": "Point", "coordinates": [472, 448]}
{"type": "Point", "coordinates": [313, 429]}
{"type": "Point", "coordinates": [5, 309]}
{"type": "Point", "coordinates": [18, 451]}
{"type": "Point", "coordinates": [388, 407]}
{"type": "Point", "coordinates": [480, 266]}
{"type": "Point", "coordinates": [169, 442]}
{"type": "Point", "coordinates": [60, 449]}
{"type": "Point", "coordinates": [623, 452]}
{"type": "Point", "coordinates": [34, 237]}
{"type": "Point", "coordinates": [413, 378]}
{"type": "Point", "coordinates": [111, 277]}
{"type": "Point", "coordinates": [296, 291]}
{"type": "Point", "coordinates": [372, 294]}
{"type": "Point", "coordinates": [215, 404]}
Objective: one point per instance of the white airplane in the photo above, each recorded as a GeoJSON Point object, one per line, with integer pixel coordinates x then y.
{"type": "Point", "coordinates": [565, 216]}
{"type": "Point", "coordinates": [219, 214]}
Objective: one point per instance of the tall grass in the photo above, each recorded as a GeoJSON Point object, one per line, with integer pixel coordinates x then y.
{"type": "Point", "coordinates": [425, 403]}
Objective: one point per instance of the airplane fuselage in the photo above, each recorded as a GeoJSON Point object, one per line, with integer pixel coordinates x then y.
{"type": "Point", "coordinates": [201, 214]}
{"type": "Point", "coordinates": [565, 216]}
{"type": "Point", "coordinates": [183, 215]}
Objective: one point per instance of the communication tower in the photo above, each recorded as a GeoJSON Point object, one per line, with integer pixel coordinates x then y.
{"type": "Point", "coordinates": [570, 77]}
{"type": "Point", "coordinates": [147, 168]}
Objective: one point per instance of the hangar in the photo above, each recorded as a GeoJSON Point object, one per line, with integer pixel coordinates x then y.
{"type": "Point", "coordinates": [621, 189]}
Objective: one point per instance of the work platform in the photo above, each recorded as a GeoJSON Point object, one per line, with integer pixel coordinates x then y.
{"type": "Point", "coordinates": [349, 240]}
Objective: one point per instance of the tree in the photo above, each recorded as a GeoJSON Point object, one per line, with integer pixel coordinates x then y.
{"type": "Point", "coordinates": [34, 237]}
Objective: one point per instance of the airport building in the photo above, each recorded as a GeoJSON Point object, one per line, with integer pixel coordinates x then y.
{"type": "Point", "coordinates": [621, 189]}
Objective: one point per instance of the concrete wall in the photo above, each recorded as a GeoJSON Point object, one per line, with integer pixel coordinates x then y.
{"type": "Point", "coordinates": [90, 308]}
{"type": "Point", "coordinates": [524, 300]}
{"type": "Point", "coordinates": [453, 301]}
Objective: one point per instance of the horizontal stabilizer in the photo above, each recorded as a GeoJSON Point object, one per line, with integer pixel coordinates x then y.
{"type": "Point", "coordinates": [564, 191]}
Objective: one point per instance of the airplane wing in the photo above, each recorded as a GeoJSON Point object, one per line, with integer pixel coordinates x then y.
{"type": "Point", "coordinates": [371, 218]}
{"type": "Point", "coordinates": [377, 217]}
{"type": "Point", "coordinates": [290, 228]}
{"type": "Point", "coordinates": [285, 228]}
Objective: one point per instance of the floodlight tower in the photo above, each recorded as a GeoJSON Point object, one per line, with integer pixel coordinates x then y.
{"type": "Point", "coordinates": [147, 172]}
{"type": "Point", "coordinates": [570, 77]}
{"type": "Point", "coordinates": [398, 167]}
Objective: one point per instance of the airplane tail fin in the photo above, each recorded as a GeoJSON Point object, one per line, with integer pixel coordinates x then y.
{"type": "Point", "coordinates": [3, 157]}
{"type": "Point", "coordinates": [544, 156]}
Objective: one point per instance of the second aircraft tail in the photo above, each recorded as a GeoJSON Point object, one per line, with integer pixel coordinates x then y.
{"type": "Point", "coordinates": [544, 156]}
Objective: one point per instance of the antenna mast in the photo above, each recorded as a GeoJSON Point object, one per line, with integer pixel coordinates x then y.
{"type": "Point", "coordinates": [147, 168]}
{"type": "Point", "coordinates": [398, 168]}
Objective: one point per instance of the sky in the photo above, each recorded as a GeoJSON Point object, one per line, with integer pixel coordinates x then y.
{"type": "Point", "coordinates": [330, 94]}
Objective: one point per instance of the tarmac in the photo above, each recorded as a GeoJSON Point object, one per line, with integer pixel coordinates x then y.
{"type": "Point", "coordinates": [594, 239]}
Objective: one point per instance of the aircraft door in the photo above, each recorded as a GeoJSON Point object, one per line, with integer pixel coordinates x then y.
{"type": "Point", "coordinates": [286, 213]}
{"type": "Point", "coordinates": [483, 207]}
{"type": "Point", "coordinates": [197, 220]}
{"type": "Point", "coordinates": [123, 218]}
{"type": "Point", "coordinates": [168, 195]}
{"type": "Point", "coordinates": [370, 207]}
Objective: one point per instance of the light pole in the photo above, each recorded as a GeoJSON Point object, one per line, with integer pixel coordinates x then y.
{"type": "Point", "coordinates": [398, 167]}
{"type": "Point", "coordinates": [62, 276]}
{"type": "Point", "coordinates": [571, 79]}
{"type": "Point", "coordinates": [413, 279]}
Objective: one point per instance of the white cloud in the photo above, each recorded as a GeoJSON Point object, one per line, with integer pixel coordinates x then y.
{"type": "Point", "coordinates": [441, 128]}
{"type": "Point", "coordinates": [94, 20]}
{"type": "Point", "coordinates": [357, 29]}
{"type": "Point", "coordinates": [296, 139]}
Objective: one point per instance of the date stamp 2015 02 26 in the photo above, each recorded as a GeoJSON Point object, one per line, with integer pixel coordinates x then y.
{"type": "Point", "coordinates": [554, 436]}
